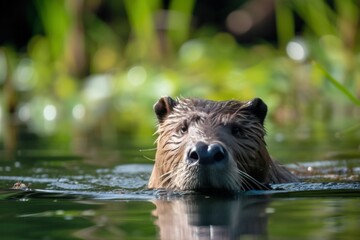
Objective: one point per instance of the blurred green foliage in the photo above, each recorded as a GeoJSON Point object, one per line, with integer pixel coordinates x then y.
{"type": "Point", "coordinates": [92, 78]}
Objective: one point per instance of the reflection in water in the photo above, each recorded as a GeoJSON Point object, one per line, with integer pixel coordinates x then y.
{"type": "Point", "coordinates": [42, 214]}
{"type": "Point", "coordinates": [202, 217]}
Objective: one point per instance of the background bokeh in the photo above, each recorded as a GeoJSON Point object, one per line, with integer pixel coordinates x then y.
{"type": "Point", "coordinates": [86, 73]}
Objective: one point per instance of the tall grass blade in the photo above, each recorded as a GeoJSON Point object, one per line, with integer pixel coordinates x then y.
{"type": "Point", "coordinates": [284, 23]}
{"type": "Point", "coordinates": [338, 85]}
{"type": "Point", "coordinates": [180, 15]}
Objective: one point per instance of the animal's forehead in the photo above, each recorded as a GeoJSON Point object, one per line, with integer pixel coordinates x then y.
{"type": "Point", "coordinates": [208, 112]}
{"type": "Point", "coordinates": [208, 106]}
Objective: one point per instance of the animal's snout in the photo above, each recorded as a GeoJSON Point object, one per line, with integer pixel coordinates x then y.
{"type": "Point", "coordinates": [207, 153]}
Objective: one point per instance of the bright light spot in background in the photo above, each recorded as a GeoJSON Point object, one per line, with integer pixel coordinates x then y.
{"type": "Point", "coordinates": [50, 112]}
{"type": "Point", "coordinates": [239, 22]}
{"type": "Point", "coordinates": [78, 111]}
{"type": "Point", "coordinates": [163, 86]}
{"type": "Point", "coordinates": [137, 75]}
{"type": "Point", "coordinates": [191, 51]}
{"type": "Point", "coordinates": [297, 50]}
{"type": "Point", "coordinates": [97, 87]}
{"type": "Point", "coordinates": [24, 75]}
{"type": "Point", "coordinates": [24, 113]}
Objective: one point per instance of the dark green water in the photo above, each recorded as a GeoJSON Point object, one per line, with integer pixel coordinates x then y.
{"type": "Point", "coordinates": [104, 196]}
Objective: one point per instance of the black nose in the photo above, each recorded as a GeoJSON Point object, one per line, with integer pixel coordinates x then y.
{"type": "Point", "coordinates": [207, 154]}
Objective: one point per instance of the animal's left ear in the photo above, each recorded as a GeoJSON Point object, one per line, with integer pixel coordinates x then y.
{"type": "Point", "coordinates": [163, 107]}
{"type": "Point", "coordinates": [256, 107]}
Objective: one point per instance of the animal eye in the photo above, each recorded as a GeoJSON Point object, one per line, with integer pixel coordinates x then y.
{"type": "Point", "coordinates": [183, 128]}
{"type": "Point", "coordinates": [237, 131]}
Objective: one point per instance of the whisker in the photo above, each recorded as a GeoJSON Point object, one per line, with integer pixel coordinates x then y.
{"type": "Point", "coordinates": [257, 183]}
{"type": "Point", "coordinates": [169, 175]}
{"type": "Point", "coordinates": [252, 180]}
{"type": "Point", "coordinates": [245, 185]}
{"type": "Point", "coordinates": [165, 177]}
{"type": "Point", "coordinates": [148, 158]}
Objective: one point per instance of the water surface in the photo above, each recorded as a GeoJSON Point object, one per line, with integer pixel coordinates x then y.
{"type": "Point", "coordinates": [70, 196]}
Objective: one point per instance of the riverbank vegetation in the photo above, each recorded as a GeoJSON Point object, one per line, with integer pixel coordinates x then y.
{"type": "Point", "coordinates": [93, 69]}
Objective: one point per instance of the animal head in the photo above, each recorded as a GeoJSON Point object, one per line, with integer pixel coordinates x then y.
{"type": "Point", "coordinates": [210, 145]}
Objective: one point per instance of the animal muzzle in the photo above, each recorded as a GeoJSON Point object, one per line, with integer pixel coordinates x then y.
{"type": "Point", "coordinates": [203, 154]}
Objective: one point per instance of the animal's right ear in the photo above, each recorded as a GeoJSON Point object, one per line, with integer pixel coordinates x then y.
{"type": "Point", "coordinates": [163, 107]}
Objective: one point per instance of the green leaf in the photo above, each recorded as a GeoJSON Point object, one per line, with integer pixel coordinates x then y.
{"type": "Point", "coordinates": [338, 85]}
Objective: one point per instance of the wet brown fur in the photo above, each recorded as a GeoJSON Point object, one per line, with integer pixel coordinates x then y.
{"type": "Point", "coordinates": [237, 126]}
